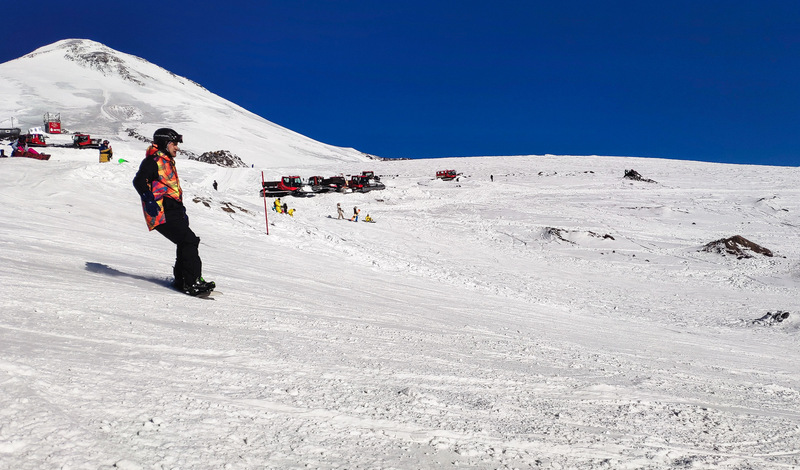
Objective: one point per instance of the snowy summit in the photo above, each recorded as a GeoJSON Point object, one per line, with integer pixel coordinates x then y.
{"type": "Point", "coordinates": [539, 312]}
{"type": "Point", "coordinates": [118, 96]}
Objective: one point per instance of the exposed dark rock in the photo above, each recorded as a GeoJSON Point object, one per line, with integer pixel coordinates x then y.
{"type": "Point", "coordinates": [559, 234]}
{"type": "Point", "coordinates": [772, 318]}
{"type": "Point", "coordinates": [137, 136]}
{"type": "Point", "coordinates": [605, 237]}
{"type": "Point", "coordinates": [95, 56]}
{"type": "Point", "coordinates": [556, 233]}
{"type": "Point", "coordinates": [382, 159]}
{"type": "Point", "coordinates": [225, 206]}
{"type": "Point", "coordinates": [220, 157]}
{"type": "Point", "coordinates": [634, 175]}
{"type": "Point", "coordinates": [737, 246]}
{"type": "Point", "coordinates": [201, 200]}
{"type": "Point", "coordinates": [104, 62]}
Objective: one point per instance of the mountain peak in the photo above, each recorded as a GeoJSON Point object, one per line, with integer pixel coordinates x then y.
{"type": "Point", "coordinates": [109, 93]}
{"type": "Point", "coordinates": [96, 56]}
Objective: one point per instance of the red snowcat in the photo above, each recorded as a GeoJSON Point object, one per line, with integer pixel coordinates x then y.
{"type": "Point", "coordinates": [85, 141]}
{"type": "Point", "coordinates": [288, 185]}
{"type": "Point", "coordinates": [35, 140]}
{"type": "Point", "coordinates": [446, 175]}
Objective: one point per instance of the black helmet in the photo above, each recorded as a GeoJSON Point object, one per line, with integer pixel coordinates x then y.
{"type": "Point", "coordinates": [164, 136]}
{"type": "Point", "coordinates": [105, 141]}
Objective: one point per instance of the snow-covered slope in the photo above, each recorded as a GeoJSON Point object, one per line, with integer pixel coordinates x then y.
{"type": "Point", "coordinates": [559, 316]}
{"type": "Point", "coordinates": [105, 92]}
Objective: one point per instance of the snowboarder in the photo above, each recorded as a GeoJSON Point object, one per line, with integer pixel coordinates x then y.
{"type": "Point", "coordinates": [278, 206]}
{"type": "Point", "coordinates": [340, 211]}
{"type": "Point", "coordinates": [215, 185]}
{"type": "Point", "coordinates": [105, 152]}
{"type": "Point", "coordinates": [162, 202]}
{"type": "Point", "coordinates": [356, 210]}
{"type": "Point", "coordinates": [368, 219]}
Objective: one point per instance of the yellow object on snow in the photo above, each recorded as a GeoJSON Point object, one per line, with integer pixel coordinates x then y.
{"type": "Point", "coordinates": [105, 155]}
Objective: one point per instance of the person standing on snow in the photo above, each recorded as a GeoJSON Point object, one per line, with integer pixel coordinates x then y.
{"type": "Point", "coordinates": [162, 201]}
{"type": "Point", "coordinates": [356, 210]}
{"type": "Point", "coordinates": [339, 209]}
{"type": "Point", "coordinates": [105, 152]}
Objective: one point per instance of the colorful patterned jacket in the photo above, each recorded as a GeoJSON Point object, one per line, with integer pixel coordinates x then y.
{"type": "Point", "coordinates": [157, 174]}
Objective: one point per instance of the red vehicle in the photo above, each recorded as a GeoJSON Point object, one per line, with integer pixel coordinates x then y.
{"type": "Point", "coordinates": [362, 183]}
{"type": "Point", "coordinates": [35, 140]}
{"type": "Point", "coordinates": [290, 183]}
{"type": "Point", "coordinates": [85, 141]}
{"type": "Point", "coordinates": [336, 183]}
{"type": "Point", "coordinates": [357, 182]}
{"type": "Point", "coordinates": [318, 185]}
{"type": "Point", "coordinates": [446, 175]}
{"type": "Point", "coordinates": [287, 185]}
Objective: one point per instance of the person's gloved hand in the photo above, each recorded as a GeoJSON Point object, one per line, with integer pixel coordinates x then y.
{"type": "Point", "coordinates": [150, 205]}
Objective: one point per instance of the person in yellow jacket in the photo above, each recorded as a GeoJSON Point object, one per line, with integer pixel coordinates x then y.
{"type": "Point", "coordinates": [105, 152]}
{"type": "Point", "coordinates": [278, 205]}
{"type": "Point", "coordinates": [162, 202]}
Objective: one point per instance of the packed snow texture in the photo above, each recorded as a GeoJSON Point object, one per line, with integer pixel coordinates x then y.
{"type": "Point", "coordinates": [456, 331]}
{"type": "Point", "coordinates": [537, 312]}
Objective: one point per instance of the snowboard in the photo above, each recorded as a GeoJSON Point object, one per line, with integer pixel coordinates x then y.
{"type": "Point", "coordinates": [207, 295]}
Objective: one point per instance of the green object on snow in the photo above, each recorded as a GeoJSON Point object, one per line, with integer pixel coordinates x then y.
{"type": "Point", "coordinates": [122, 160]}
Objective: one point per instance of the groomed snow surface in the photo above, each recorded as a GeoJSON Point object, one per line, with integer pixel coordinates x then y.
{"type": "Point", "coordinates": [477, 324]}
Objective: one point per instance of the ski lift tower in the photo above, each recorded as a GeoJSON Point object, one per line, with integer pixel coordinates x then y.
{"type": "Point", "coordinates": [52, 123]}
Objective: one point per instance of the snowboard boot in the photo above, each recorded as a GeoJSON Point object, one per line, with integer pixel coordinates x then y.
{"type": "Point", "coordinates": [198, 287]}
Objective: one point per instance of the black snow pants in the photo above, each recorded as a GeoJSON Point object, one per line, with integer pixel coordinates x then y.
{"type": "Point", "coordinates": [188, 266]}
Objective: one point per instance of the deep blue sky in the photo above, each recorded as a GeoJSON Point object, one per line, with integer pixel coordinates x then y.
{"type": "Point", "coordinates": [701, 79]}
